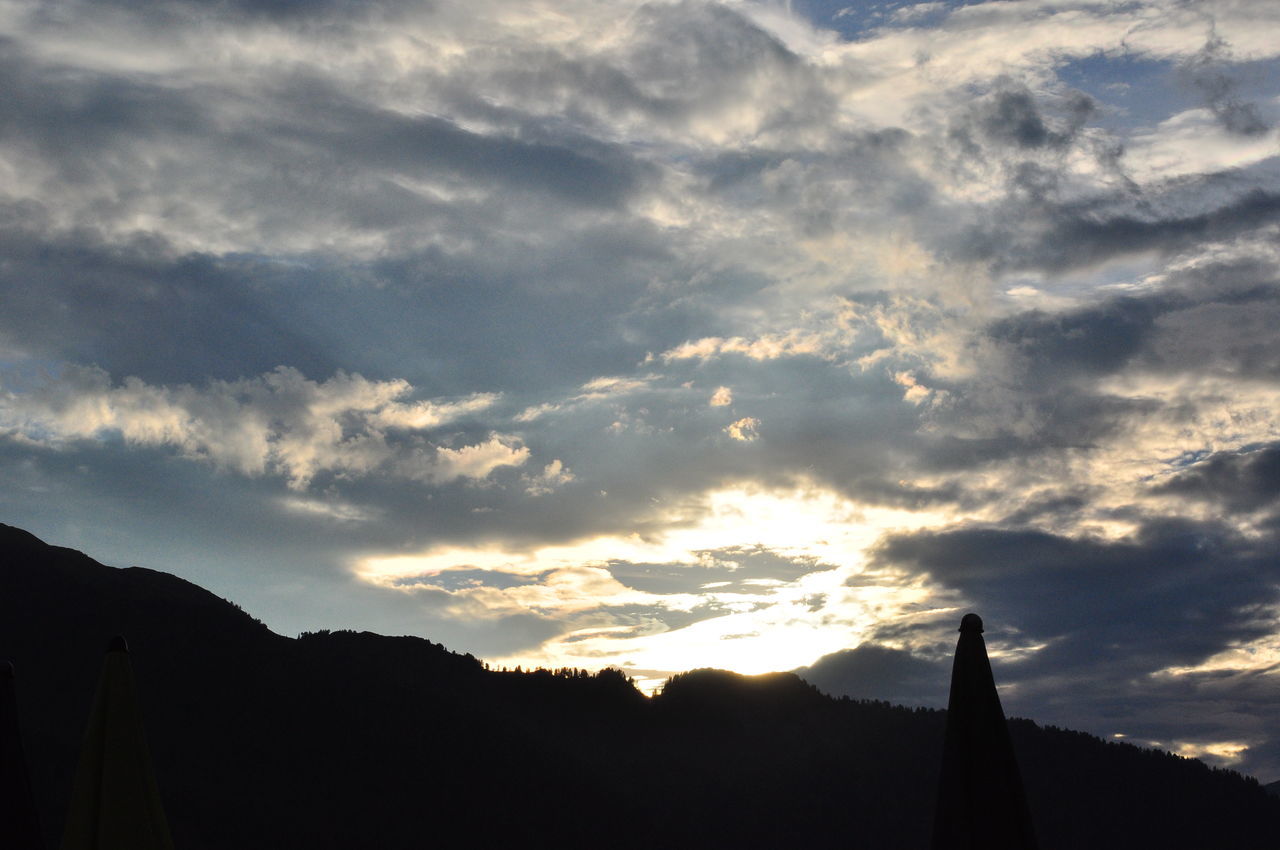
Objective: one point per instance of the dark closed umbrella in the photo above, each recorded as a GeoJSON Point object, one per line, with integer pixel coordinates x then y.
{"type": "Point", "coordinates": [115, 801]}
{"type": "Point", "coordinates": [19, 826]}
{"type": "Point", "coordinates": [981, 802]}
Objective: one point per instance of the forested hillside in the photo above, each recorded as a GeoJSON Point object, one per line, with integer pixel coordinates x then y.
{"type": "Point", "coordinates": [342, 739]}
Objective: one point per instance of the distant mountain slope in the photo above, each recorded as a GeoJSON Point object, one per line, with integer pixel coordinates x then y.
{"type": "Point", "coordinates": [354, 740]}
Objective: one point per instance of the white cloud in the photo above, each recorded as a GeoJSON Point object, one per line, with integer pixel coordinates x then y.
{"type": "Point", "coordinates": [914, 12]}
{"type": "Point", "coordinates": [431, 414]}
{"type": "Point", "coordinates": [553, 476]}
{"type": "Point", "coordinates": [913, 392]}
{"type": "Point", "coordinates": [477, 461]}
{"type": "Point", "coordinates": [767, 347]}
{"type": "Point", "coordinates": [745, 429]}
{"type": "Point", "coordinates": [722, 397]}
{"type": "Point", "coordinates": [280, 422]}
{"type": "Point", "coordinates": [1194, 142]}
{"type": "Point", "coordinates": [328, 509]}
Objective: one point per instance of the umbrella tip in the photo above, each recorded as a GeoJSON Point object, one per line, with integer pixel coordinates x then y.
{"type": "Point", "coordinates": [6, 668]}
{"type": "Point", "coordinates": [971, 623]}
{"type": "Point", "coordinates": [118, 644]}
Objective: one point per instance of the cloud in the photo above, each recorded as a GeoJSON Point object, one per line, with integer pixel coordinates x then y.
{"type": "Point", "coordinates": [1189, 144]}
{"type": "Point", "coordinates": [765, 348]}
{"type": "Point", "coordinates": [1207, 72]}
{"type": "Point", "coordinates": [1244, 480]}
{"type": "Point", "coordinates": [1211, 318]}
{"type": "Point", "coordinates": [878, 672]}
{"type": "Point", "coordinates": [636, 598]}
{"type": "Point", "coordinates": [280, 423]}
{"type": "Point", "coordinates": [744, 430]}
{"type": "Point", "coordinates": [475, 461]}
{"type": "Point", "coordinates": [327, 509]}
{"type": "Point", "coordinates": [554, 476]}
{"type": "Point", "coordinates": [722, 397]}
{"type": "Point", "coordinates": [1127, 597]}
{"type": "Point", "coordinates": [1012, 116]}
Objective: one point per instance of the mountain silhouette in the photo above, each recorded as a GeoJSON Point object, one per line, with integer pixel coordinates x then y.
{"type": "Point", "coordinates": [353, 740]}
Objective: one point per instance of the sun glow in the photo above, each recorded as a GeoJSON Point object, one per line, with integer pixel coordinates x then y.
{"type": "Point", "coordinates": [755, 580]}
{"type": "Point", "coordinates": [1222, 752]}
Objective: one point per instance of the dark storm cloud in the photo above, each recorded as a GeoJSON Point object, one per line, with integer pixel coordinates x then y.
{"type": "Point", "coordinates": [1007, 423]}
{"type": "Point", "coordinates": [1062, 237]}
{"type": "Point", "coordinates": [1174, 593]}
{"type": "Point", "coordinates": [1112, 618]}
{"type": "Point", "coordinates": [1243, 480]}
{"type": "Point", "coordinates": [879, 672]}
{"type": "Point", "coordinates": [1047, 508]}
{"type": "Point", "coordinates": [1214, 319]}
{"type": "Point", "coordinates": [1098, 340]}
{"type": "Point", "coordinates": [1170, 711]}
{"type": "Point", "coordinates": [1078, 237]}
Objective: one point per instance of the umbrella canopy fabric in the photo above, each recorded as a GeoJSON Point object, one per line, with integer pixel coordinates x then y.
{"type": "Point", "coordinates": [981, 802]}
{"type": "Point", "coordinates": [115, 801]}
{"type": "Point", "coordinates": [18, 820]}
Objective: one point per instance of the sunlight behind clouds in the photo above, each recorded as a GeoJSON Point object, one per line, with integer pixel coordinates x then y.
{"type": "Point", "coordinates": [667, 334]}
{"type": "Point", "coordinates": [751, 625]}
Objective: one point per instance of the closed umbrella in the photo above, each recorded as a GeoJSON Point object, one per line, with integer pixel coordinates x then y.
{"type": "Point", "coordinates": [115, 801]}
{"type": "Point", "coordinates": [981, 802]}
{"type": "Point", "coordinates": [18, 821]}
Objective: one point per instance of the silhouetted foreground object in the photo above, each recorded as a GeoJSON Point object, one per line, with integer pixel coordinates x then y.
{"type": "Point", "coordinates": [115, 802]}
{"type": "Point", "coordinates": [981, 802]}
{"type": "Point", "coordinates": [19, 826]}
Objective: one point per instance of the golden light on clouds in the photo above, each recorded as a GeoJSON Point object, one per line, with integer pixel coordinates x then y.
{"type": "Point", "coordinates": [744, 430]}
{"type": "Point", "coordinates": [1223, 752]}
{"type": "Point", "coordinates": [815, 539]}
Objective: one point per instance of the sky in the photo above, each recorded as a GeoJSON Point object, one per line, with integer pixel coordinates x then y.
{"type": "Point", "coordinates": [665, 335]}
